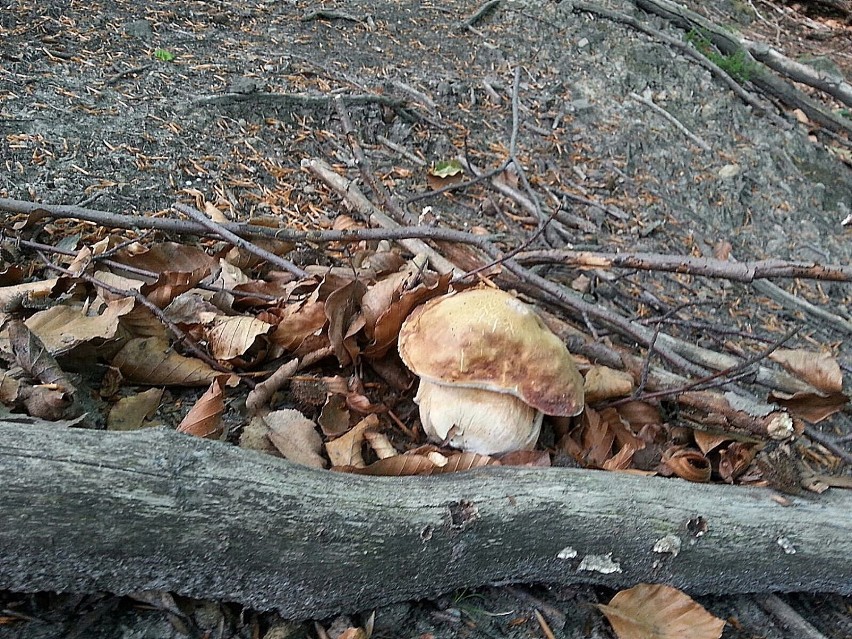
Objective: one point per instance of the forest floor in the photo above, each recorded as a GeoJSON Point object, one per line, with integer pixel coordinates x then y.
{"type": "Point", "coordinates": [130, 107]}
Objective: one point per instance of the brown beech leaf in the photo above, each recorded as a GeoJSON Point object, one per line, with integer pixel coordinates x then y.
{"type": "Point", "coordinates": [735, 459]}
{"type": "Point", "coordinates": [204, 419]}
{"type": "Point", "coordinates": [230, 337]}
{"type": "Point", "coordinates": [296, 437]}
{"type": "Point", "coordinates": [820, 370]}
{"type": "Point", "coordinates": [130, 413]}
{"type": "Point", "coordinates": [397, 466]}
{"type": "Point", "coordinates": [46, 401]}
{"type": "Point", "coordinates": [639, 414]}
{"type": "Point", "coordinates": [151, 361]}
{"type": "Point", "coordinates": [656, 611]}
{"type": "Point", "coordinates": [61, 328]}
{"type": "Point", "coordinates": [13, 297]}
{"type": "Point", "coordinates": [334, 417]}
{"type": "Point", "coordinates": [295, 322]}
{"type": "Point", "coordinates": [344, 320]}
{"type": "Point", "coordinates": [687, 464]}
{"type": "Point", "coordinates": [621, 460]}
{"type": "Point", "coordinates": [708, 441]}
{"type": "Point", "coordinates": [10, 388]}
{"type": "Point", "coordinates": [32, 356]}
{"type": "Point", "coordinates": [534, 458]}
{"type": "Point", "coordinates": [346, 450]}
{"type": "Point", "coordinates": [810, 407]}
{"type": "Point", "coordinates": [166, 258]}
{"type": "Point", "coordinates": [603, 383]}
{"type": "Point", "coordinates": [464, 461]}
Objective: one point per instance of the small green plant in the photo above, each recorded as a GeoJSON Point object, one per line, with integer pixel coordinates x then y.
{"type": "Point", "coordinates": [164, 55]}
{"type": "Point", "coordinates": [737, 65]}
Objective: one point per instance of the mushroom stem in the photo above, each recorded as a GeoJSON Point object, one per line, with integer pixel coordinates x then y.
{"type": "Point", "coordinates": [476, 420]}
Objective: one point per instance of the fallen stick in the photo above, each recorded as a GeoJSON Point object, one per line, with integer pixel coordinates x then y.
{"type": "Point", "coordinates": [688, 265]}
{"type": "Point", "coordinates": [89, 511]}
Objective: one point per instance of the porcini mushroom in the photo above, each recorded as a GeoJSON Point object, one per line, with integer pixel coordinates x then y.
{"type": "Point", "coordinates": [489, 371]}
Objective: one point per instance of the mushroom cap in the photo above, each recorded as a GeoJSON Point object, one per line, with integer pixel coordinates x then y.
{"type": "Point", "coordinates": [488, 339]}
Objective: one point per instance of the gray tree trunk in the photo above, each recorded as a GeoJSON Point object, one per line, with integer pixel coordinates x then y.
{"type": "Point", "coordinates": [90, 511]}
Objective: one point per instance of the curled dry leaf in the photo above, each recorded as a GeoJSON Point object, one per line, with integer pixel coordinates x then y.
{"type": "Point", "coordinates": [639, 414]}
{"type": "Point", "coordinates": [709, 441]}
{"type": "Point", "coordinates": [204, 419]}
{"type": "Point", "coordinates": [380, 444]}
{"type": "Point", "coordinates": [465, 461]}
{"type": "Point", "coordinates": [656, 611]}
{"type": "Point", "coordinates": [820, 370]}
{"type": "Point", "coordinates": [296, 437]}
{"type": "Point", "coordinates": [260, 395]}
{"type": "Point", "coordinates": [687, 464]}
{"type": "Point", "coordinates": [151, 361]}
{"type": "Point", "coordinates": [735, 459]}
{"type": "Point", "coordinates": [130, 413]}
{"type": "Point", "coordinates": [603, 383]}
{"type": "Point", "coordinates": [398, 466]}
{"type": "Point", "coordinates": [346, 450]}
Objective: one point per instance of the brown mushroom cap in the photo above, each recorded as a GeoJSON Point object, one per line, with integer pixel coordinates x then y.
{"type": "Point", "coordinates": [488, 339]}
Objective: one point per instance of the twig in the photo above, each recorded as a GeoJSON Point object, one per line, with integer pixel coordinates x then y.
{"type": "Point", "coordinates": [401, 150]}
{"type": "Point", "coordinates": [791, 619]}
{"type": "Point", "coordinates": [461, 185]}
{"type": "Point", "coordinates": [792, 301]}
{"type": "Point", "coordinates": [830, 443]}
{"type": "Point", "coordinates": [123, 74]}
{"type": "Point", "coordinates": [170, 225]}
{"type": "Point", "coordinates": [365, 168]}
{"type": "Point", "coordinates": [329, 14]}
{"type": "Point", "coordinates": [347, 190]}
{"type": "Point", "coordinates": [480, 13]}
{"type": "Point", "coordinates": [239, 242]}
{"type": "Point", "coordinates": [668, 116]}
{"type": "Point", "coordinates": [706, 267]}
{"type": "Point", "coordinates": [295, 99]}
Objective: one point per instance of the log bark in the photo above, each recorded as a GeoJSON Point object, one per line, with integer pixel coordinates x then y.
{"type": "Point", "coordinates": [156, 510]}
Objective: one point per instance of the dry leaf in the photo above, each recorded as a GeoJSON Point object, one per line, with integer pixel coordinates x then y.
{"type": "Point", "coordinates": [344, 320]}
{"type": "Point", "coordinates": [398, 466]}
{"type": "Point", "coordinates": [296, 437]}
{"type": "Point", "coordinates": [346, 450]}
{"type": "Point", "coordinates": [334, 417]}
{"type": "Point", "coordinates": [603, 383]}
{"type": "Point", "coordinates": [380, 444]}
{"type": "Point", "coordinates": [13, 297]}
{"type": "Point", "coordinates": [151, 361]}
{"type": "Point", "coordinates": [820, 370]}
{"type": "Point", "coordinates": [230, 337]}
{"type": "Point", "coordinates": [464, 461]}
{"type": "Point", "coordinates": [734, 460]}
{"type": "Point", "coordinates": [708, 441]}
{"type": "Point", "coordinates": [61, 328]}
{"type": "Point", "coordinates": [204, 419]}
{"type": "Point", "coordinates": [687, 464]}
{"type": "Point", "coordinates": [810, 407]}
{"type": "Point", "coordinates": [656, 611]}
{"type": "Point", "coordinates": [32, 356]}
{"type": "Point", "coordinates": [295, 322]}
{"type": "Point", "coordinates": [130, 413]}
{"type": "Point", "coordinates": [533, 458]}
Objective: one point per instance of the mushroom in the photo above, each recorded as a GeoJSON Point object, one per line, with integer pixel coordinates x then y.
{"type": "Point", "coordinates": [489, 371]}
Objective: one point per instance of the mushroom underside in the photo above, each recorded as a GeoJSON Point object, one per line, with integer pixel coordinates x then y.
{"type": "Point", "coordinates": [477, 420]}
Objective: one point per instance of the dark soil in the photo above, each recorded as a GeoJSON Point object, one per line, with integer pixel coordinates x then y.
{"type": "Point", "coordinates": [89, 115]}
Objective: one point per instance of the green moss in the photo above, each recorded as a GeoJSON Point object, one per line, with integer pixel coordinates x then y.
{"type": "Point", "coordinates": [738, 65]}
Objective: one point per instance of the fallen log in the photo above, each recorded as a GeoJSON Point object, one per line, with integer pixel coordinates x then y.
{"type": "Point", "coordinates": [87, 511]}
